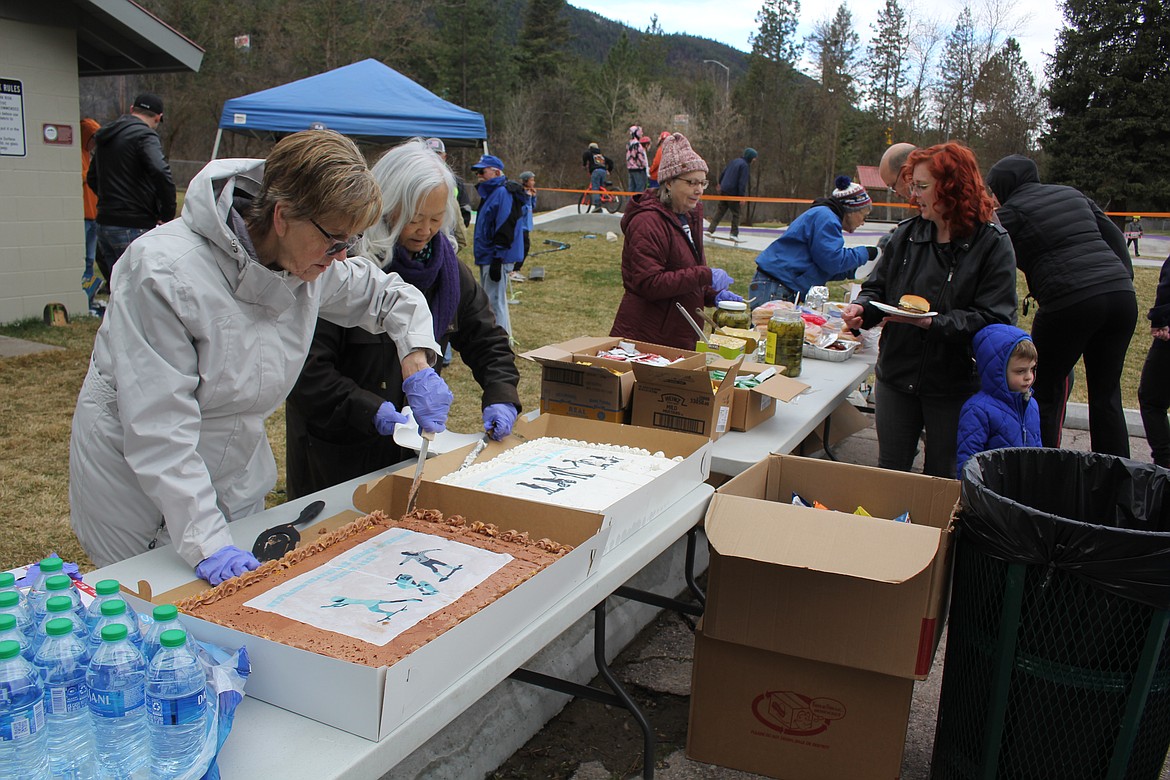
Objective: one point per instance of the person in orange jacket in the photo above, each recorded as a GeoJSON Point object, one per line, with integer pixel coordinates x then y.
{"type": "Point", "coordinates": [90, 282]}
{"type": "Point", "coordinates": [657, 160]}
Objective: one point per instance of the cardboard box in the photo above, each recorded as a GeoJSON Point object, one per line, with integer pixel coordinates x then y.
{"type": "Point", "coordinates": [371, 702]}
{"type": "Point", "coordinates": [683, 399]}
{"type": "Point", "coordinates": [830, 586]}
{"type": "Point", "coordinates": [577, 383]}
{"type": "Point", "coordinates": [792, 718]}
{"type": "Point", "coordinates": [620, 519]}
{"type": "Point", "coordinates": [751, 407]}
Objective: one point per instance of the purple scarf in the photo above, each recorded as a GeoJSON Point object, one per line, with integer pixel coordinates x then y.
{"type": "Point", "coordinates": [435, 264]}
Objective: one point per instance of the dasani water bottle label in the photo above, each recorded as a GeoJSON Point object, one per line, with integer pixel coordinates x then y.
{"type": "Point", "coordinates": [16, 728]}
{"type": "Point", "coordinates": [65, 699]}
{"type": "Point", "coordinates": [176, 712]}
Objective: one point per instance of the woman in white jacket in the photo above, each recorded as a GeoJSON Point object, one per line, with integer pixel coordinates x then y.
{"type": "Point", "coordinates": [209, 321]}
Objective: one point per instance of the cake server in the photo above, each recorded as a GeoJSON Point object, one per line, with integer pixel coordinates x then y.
{"type": "Point", "coordinates": [427, 438]}
{"type": "Point", "coordinates": [279, 539]}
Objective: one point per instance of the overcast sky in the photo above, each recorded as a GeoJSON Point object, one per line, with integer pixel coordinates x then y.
{"type": "Point", "coordinates": [732, 21]}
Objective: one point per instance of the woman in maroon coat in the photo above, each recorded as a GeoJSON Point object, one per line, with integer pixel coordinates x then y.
{"type": "Point", "coordinates": [662, 262]}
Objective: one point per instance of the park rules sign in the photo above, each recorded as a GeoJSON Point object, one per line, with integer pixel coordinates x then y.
{"type": "Point", "coordinates": [11, 118]}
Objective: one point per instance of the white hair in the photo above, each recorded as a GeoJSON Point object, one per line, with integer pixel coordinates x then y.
{"type": "Point", "coordinates": [406, 174]}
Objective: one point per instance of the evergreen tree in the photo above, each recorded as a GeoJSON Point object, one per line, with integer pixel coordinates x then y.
{"type": "Point", "coordinates": [775, 40]}
{"type": "Point", "coordinates": [1008, 105]}
{"type": "Point", "coordinates": [475, 65]}
{"type": "Point", "coordinates": [543, 39]}
{"type": "Point", "coordinates": [958, 71]}
{"type": "Point", "coordinates": [834, 45]}
{"type": "Point", "coordinates": [1109, 91]}
{"type": "Point", "coordinates": [887, 65]}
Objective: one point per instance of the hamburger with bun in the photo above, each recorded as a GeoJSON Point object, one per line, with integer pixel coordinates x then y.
{"type": "Point", "coordinates": [914, 304]}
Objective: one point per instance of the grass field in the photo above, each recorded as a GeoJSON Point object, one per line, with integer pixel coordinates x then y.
{"type": "Point", "coordinates": [578, 297]}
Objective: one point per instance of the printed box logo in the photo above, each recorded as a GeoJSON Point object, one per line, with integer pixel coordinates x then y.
{"type": "Point", "coordinates": [789, 712]}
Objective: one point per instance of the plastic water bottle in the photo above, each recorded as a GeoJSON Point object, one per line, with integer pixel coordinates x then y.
{"type": "Point", "coordinates": [165, 618]}
{"type": "Point", "coordinates": [49, 567]}
{"type": "Point", "coordinates": [117, 699]}
{"type": "Point", "coordinates": [8, 630]}
{"type": "Point", "coordinates": [23, 749]}
{"type": "Point", "coordinates": [106, 590]}
{"type": "Point", "coordinates": [114, 612]}
{"type": "Point", "coordinates": [176, 706]}
{"type": "Point", "coordinates": [10, 604]}
{"type": "Point", "coordinates": [62, 585]}
{"type": "Point", "coordinates": [60, 607]}
{"type": "Point", "coordinates": [8, 583]}
{"type": "Point", "coordinates": [61, 661]}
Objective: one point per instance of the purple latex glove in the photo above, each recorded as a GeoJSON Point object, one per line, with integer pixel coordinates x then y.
{"type": "Point", "coordinates": [498, 420]}
{"type": "Point", "coordinates": [30, 576]}
{"type": "Point", "coordinates": [225, 563]}
{"type": "Point", "coordinates": [720, 279]}
{"type": "Point", "coordinates": [429, 398]}
{"type": "Point", "coordinates": [727, 295]}
{"type": "Point", "coordinates": [387, 417]}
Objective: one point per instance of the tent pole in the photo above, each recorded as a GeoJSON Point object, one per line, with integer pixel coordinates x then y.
{"type": "Point", "coordinates": [218, 136]}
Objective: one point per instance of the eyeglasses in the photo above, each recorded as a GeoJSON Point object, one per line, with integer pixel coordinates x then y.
{"type": "Point", "coordinates": [699, 183]}
{"type": "Point", "coordinates": [336, 245]}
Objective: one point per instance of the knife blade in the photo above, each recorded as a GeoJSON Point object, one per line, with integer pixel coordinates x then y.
{"type": "Point", "coordinates": [471, 456]}
{"type": "Point", "coordinates": [412, 496]}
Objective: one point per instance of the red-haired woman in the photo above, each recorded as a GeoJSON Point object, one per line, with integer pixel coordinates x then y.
{"type": "Point", "coordinates": [962, 263]}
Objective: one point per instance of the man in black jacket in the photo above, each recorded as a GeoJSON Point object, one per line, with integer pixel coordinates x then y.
{"type": "Point", "coordinates": [1080, 274]}
{"type": "Point", "coordinates": [132, 179]}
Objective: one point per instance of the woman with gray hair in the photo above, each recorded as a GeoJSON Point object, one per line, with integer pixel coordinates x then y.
{"type": "Point", "coordinates": [343, 409]}
{"type": "Point", "coordinates": [209, 321]}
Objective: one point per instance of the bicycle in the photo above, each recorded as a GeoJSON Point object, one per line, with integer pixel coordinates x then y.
{"type": "Point", "coordinates": [609, 201]}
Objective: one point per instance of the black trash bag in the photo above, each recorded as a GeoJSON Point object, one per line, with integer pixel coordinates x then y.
{"type": "Point", "coordinates": [1099, 517]}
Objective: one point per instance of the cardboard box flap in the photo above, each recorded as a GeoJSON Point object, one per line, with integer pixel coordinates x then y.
{"type": "Point", "coordinates": [564, 350]}
{"type": "Point", "coordinates": [782, 388]}
{"type": "Point", "coordinates": [685, 380]}
{"type": "Point", "coordinates": [867, 548]}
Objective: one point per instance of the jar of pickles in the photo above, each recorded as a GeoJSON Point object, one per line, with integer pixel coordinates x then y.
{"type": "Point", "coordinates": [732, 314]}
{"type": "Point", "coordinates": [786, 341]}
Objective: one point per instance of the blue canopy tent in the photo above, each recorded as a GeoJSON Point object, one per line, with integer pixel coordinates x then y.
{"type": "Point", "coordinates": [366, 101]}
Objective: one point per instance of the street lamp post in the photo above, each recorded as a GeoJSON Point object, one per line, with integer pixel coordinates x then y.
{"type": "Point", "coordinates": [727, 77]}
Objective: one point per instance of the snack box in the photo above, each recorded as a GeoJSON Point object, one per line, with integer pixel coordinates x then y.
{"type": "Point", "coordinates": [862, 592]}
{"type": "Point", "coordinates": [750, 407]}
{"type": "Point", "coordinates": [683, 399]}
{"type": "Point", "coordinates": [577, 383]}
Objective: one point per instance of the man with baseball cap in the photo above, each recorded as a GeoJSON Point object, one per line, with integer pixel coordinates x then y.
{"type": "Point", "coordinates": [132, 179]}
{"type": "Point", "coordinates": [499, 224]}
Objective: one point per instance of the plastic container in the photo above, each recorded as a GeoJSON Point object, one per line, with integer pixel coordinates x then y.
{"type": "Point", "coordinates": [49, 567]}
{"type": "Point", "coordinates": [115, 612]}
{"type": "Point", "coordinates": [62, 585]}
{"type": "Point", "coordinates": [23, 739]}
{"type": "Point", "coordinates": [176, 705]}
{"type": "Point", "coordinates": [8, 583]}
{"type": "Point", "coordinates": [105, 590]}
{"type": "Point", "coordinates": [62, 662]}
{"type": "Point", "coordinates": [165, 617]}
{"type": "Point", "coordinates": [11, 604]}
{"type": "Point", "coordinates": [9, 631]}
{"type": "Point", "coordinates": [732, 314]}
{"type": "Point", "coordinates": [786, 341]}
{"type": "Point", "coordinates": [117, 704]}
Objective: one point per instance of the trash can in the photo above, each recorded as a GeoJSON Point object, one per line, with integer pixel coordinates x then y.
{"type": "Point", "coordinates": [1056, 660]}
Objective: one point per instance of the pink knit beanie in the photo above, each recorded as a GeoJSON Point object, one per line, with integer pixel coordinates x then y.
{"type": "Point", "coordinates": [678, 158]}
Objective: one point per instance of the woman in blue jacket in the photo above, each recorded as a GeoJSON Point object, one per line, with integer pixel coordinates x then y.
{"type": "Point", "coordinates": [812, 250]}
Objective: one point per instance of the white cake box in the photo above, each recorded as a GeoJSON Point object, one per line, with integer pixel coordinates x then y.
{"type": "Point", "coordinates": [621, 518]}
{"type": "Point", "coordinates": [372, 702]}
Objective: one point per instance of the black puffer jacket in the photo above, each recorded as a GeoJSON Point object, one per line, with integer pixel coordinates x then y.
{"type": "Point", "coordinates": [970, 282]}
{"type": "Point", "coordinates": [131, 175]}
{"type": "Point", "coordinates": [1067, 248]}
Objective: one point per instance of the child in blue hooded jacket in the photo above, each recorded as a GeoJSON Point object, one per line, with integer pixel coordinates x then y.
{"type": "Point", "coordinates": [1003, 413]}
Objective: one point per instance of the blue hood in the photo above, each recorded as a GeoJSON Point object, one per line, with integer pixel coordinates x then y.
{"type": "Point", "coordinates": [993, 348]}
